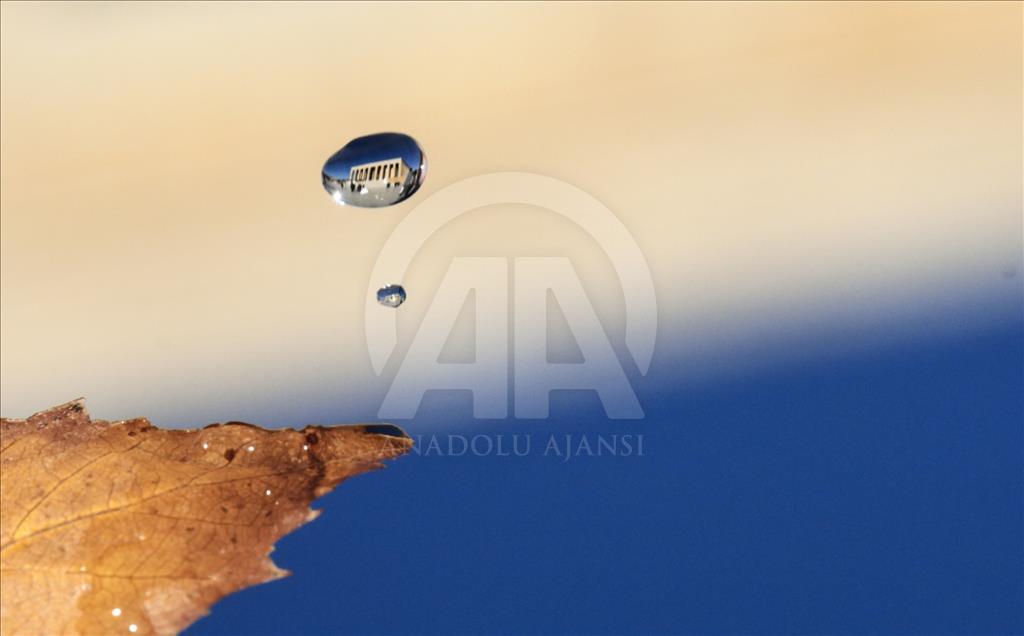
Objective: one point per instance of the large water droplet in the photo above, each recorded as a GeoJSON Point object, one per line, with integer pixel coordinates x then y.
{"type": "Point", "coordinates": [391, 295]}
{"type": "Point", "coordinates": [375, 171]}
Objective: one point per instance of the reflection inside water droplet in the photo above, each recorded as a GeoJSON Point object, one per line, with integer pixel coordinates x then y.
{"type": "Point", "coordinates": [375, 171]}
{"type": "Point", "coordinates": [116, 611]}
{"type": "Point", "coordinates": [133, 628]}
{"type": "Point", "coordinates": [391, 295]}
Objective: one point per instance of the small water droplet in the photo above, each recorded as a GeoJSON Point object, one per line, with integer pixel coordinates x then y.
{"type": "Point", "coordinates": [268, 492]}
{"type": "Point", "coordinates": [375, 171]}
{"type": "Point", "coordinates": [116, 611]}
{"type": "Point", "coordinates": [133, 628]}
{"type": "Point", "coordinates": [205, 445]}
{"type": "Point", "coordinates": [305, 447]}
{"type": "Point", "coordinates": [391, 295]}
{"type": "Point", "coordinates": [251, 448]}
{"type": "Point", "coordinates": [385, 429]}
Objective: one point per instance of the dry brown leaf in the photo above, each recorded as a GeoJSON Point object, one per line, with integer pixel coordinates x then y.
{"type": "Point", "coordinates": [121, 527]}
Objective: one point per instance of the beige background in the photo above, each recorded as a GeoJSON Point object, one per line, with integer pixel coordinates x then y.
{"type": "Point", "coordinates": [167, 248]}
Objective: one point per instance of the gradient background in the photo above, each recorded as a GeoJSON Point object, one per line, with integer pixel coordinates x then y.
{"type": "Point", "coordinates": [830, 200]}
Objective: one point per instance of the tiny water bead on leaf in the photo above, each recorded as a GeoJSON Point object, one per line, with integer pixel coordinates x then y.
{"type": "Point", "coordinates": [391, 295]}
{"type": "Point", "coordinates": [375, 171]}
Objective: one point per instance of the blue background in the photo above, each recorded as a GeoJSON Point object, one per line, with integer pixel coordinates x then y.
{"type": "Point", "coordinates": [877, 490]}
